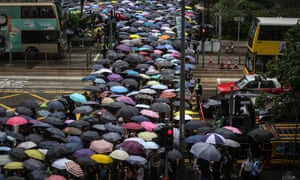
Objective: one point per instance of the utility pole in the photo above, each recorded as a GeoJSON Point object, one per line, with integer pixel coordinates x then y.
{"type": "Point", "coordinates": [220, 30]}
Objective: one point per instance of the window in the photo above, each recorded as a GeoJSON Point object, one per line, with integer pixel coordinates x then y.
{"type": "Point", "coordinates": [272, 33]}
{"type": "Point", "coordinates": [252, 85]}
{"type": "Point", "coordinates": [267, 84]}
{"type": "Point", "coordinates": [39, 36]}
{"type": "Point", "coordinates": [37, 12]}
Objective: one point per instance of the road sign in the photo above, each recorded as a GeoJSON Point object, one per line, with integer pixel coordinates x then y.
{"type": "Point", "coordinates": [238, 19]}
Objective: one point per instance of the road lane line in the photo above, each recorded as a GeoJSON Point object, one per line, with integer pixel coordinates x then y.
{"type": "Point", "coordinates": [13, 95]}
{"type": "Point", "coordinates": [10, 109]}
{"type": "Point", "coordinates": [39, 97]}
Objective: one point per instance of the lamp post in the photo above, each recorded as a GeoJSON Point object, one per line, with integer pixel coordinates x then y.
{"type": "Point", "coordinates": [220, 30]}
{"type": "Point", "coordinates": [239, 20]}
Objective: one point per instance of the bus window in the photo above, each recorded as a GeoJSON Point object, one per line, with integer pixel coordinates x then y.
{"type": "Point", "coordinates": [37, 12]}
{"type": "Point", "coordinates": [249, 62]}
{"type": "Point", "coordinates": [30, 37]}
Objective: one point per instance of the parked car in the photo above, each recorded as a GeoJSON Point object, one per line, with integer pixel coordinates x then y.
{"type": "Point", "coordinates": [253, 82]}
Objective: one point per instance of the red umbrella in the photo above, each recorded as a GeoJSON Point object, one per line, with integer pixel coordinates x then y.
{"type": "Point", "coordinates": [149, 113]}
{"type": "Point", "coordinates": [132, 126]}
{"type": "Point", "coordinates": [16, 120]}
{"type": "Point", "coordinates": [167, 95]}
{"type": "Point", "coordinates": [149, 126]}
{"type": "Point", "coordinates": [233, 129]}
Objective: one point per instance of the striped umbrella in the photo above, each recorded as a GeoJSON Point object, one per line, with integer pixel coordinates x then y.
{"type": "Point", "coordinates": [74, 168]}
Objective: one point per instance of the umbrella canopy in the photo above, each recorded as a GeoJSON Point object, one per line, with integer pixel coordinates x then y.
{"type": "Point", "coordinates": [133, 147]}
{"type": "Point", "coordinates": [119, 154]}
{"type": "Point", "coordinates": [231, 143]}
{"type": "Point", "coordinates": [174, 154]}
{"type": "Point", "coordinates": [118, 89]}
{"type": "Point", "coordinates": [35, 154]}
{"type": "Point", "coordinates": [151, 145]}
{"type": "Point", "coordinates": [138, 160]}
{"type": "Point", "coordinates": [55, 105]}
{"type": "Point", "coordinates": [101, 146]}
{"type": "Point", "coordinates": [33, 164]}
{"type": "Point", "coordinates": [56, 177]}
{"type": "Point", "coordinates": [205, 151]}
{"type": "Point", "coordinates": [73, 168]}
{"type": "Point", "coordinates": [193, 125]}
{"type": "Point", "coordinates": [126, 99]}
{"type": "Point", "coordinates": [213, 138]}
{"type": "Point", "coordinates": [16, 120]}
{"type": "Point", "coordinates": [29, 103]}
{"type": "Point", "coordinates": [132, 126]}
{"type": "Point", "coordinates": [14, 165]}
{"type": "Point", "coordinates": [148, 125]}
{"type": "Point", "coordinates": [60, 163]}
{"type": "Point", "coordinates": [149, 113]}
{"type": "Point", "coordinates": [78, 98]}
{"type": "Point", "coordinates": [127, 112]}
{"type": "Point", "coordinates": [101, 158]}
{"type": "Point", "coordinates": [27, 145]}
{"type": "Point", "coordinates": [85, 152]}
{"type": "Point", "coordinates": [112, 136]}
{"type": "Point", "coordinates": [161, 107]}
{"type": "Point", "coordinates": [147, 136]}
{"type": "Point", "coordinates": [260, 135]}
{"type": "Point", "coordinates": [83, 109]}
{"type": "Point", "coordinates": [233, 129]}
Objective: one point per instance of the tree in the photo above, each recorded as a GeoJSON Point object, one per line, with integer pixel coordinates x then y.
{"type": "Point", "coordinates": [287, 70]}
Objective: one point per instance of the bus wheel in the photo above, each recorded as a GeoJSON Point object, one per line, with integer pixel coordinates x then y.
{"type": "Point", "coordinates": [31, 53]}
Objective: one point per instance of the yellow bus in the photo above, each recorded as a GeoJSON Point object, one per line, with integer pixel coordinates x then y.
{"type": "Point", "coordinates": [265, 41]}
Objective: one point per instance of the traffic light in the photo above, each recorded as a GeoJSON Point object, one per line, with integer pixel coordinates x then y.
{"type": "Point", "coordinates": [206, 31]}
{"type": "Point", "coordinates": [169, 138]}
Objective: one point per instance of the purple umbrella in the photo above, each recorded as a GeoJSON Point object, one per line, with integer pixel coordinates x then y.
{"type": "Point", "coordinates": [115, 77]}
{"type": "Point", "coordinates": [124, 47]}
{"type": "Point", "coordinates": [133, 147]}
{"type": "Point", "coordinates": [126, 99]}
{"type": "Point", "coordinates": [85, 152]}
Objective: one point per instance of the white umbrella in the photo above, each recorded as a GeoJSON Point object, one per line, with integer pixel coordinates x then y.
{"type": "Point", "coordinates": [231, 143]}
{"type": "Point", "coordinates": [138, 160]}
{"type": "Point", "coordinates": [60, 163]}
{"type": "Point", "coordinates": [206, 151]}
{"type": "Point", "coordinates": [119, 154]}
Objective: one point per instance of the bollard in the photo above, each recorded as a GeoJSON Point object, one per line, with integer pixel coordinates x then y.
{"type": "Point", "coordinates": [210, 60]}
{"type": "Point", "coordinates": [236, 64]}
{"type": "Point", "coordinates": [228, 64]}
{"type": "Point", "coordinates": [222, 64]}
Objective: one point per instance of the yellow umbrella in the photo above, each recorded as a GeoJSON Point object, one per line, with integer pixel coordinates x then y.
{"type": "Point", "coordinates": [152, 83]}
{"type": "Point", "coordinates": [134, 36]}
{"type": "Point", "coordinates": [147, 135]}
{"type": "Point", "coordinates": [144, 76]}
{"type": "Point", "coordinates": [188, 7]}
{"type": "Point", "coordinates": [186, 112]}
{"type": "Point", "coordinates": [35, 154]}
{"type": "Point", "coordinates": [101, 158]}
{"type": "Point", "coordinates": [14, 165]}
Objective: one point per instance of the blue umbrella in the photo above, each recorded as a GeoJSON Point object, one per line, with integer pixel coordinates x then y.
{"type": "Point", "coordinates": [79, 98]}
{"type": "Point", "coordinates": [99, 81]}
{"type": "Point", "coordinates": [194, 138]}
{"type": "Point", "coordinates": [139, 118]}
{"type": "Point", "coordinates": [118, 89]}
{"type": "Point", "coordinates": [89, 78]}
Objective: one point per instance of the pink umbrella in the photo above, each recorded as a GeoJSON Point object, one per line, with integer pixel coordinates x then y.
{"type": "Point", "coordinates": [149, 113]}
{"type": "Point", "coordinates": [55, 177]}
{"type": "Point", "coordinates": [126, 99]}
{"type": "Point", "coordinates": [233, 129]}
{"type": "Point", "coordinates": [132, 126]}
{"type": "Point", "coordinates": [133, 147]}
{"type": "Point", "coordinates": [16, 120]}
{"type": "Point", "coordinates": [101, 146]}
{"type": "Point", "coordinates": [149, 126]}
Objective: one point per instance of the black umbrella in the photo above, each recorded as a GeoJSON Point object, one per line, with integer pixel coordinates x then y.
{"type": "Point", "coordinates": [135, 58]}
{"type": "Point", "coordinates": [108, 117]}
{"type": "Point", "coordinates": [85, 109]}
{"type": "Point", "coordinates": [48, 144]}
{"type": "Point", "coordinates": [24, 110]}
{"type": "Point", "coordinates": [260, 135]}
{"type": "Point", "coordinates": [38, 175]}
{"type": "Point", "coordinates": [120, 64]}
{"type": "Point", "coordinates": [56, 152]}
{"type": "Point", "coordinates": [18, 153]}
{"type": "Point", "coordinates": [142, 67]}
{"type": "Point", "coordinates": [29, 103]}
{"type": "Point", "coordinates": [174, 154]}
{"type": "Point", "coordinates": [130, 82]}
{"type": "Point", "coordinates": [91, 120]}
{"type": "Point", "coordinates": [58, 114]}
{"type": "Point", "coordinates": [160, 107]}
{"type": "Point", "coordinates": [54, 121]}
{"type": "Point", "coordinates": [89, 136]}
{"type": "Point", "coordinates": [177, 104]}
{"type": "Point", "coordinates": [162, 100]}
{"type": "Point", "coordinates": [226, 133]}
{"type": "Point", "coordinates": [34, 137]}
{"type": "Point", "coordinates": [58, 138]}
{"type": "Point", "coordinates": [55, 105]}
{"type": "Point", "coordinates": [33, 164]}
{"type": "Point", "coordinates": [56, 131]}
{"type": "Point", "coordinates": [114, 128]}
{"type": "Point", "coordinates": [73, 146]}
{"type": "Point", "coordinates": [193, 125]}
{"type": "Point", "coordinates": [127, 112]}
{"type": "Point", "coordinates": [85, 161]}
{"type": "Point", "coordinates": [79, 124]}
{"type": "Point", "coordinates": [93, 88]}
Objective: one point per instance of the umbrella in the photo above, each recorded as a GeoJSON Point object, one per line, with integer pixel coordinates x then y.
{"type": "Point", "coordinates": [56, 177]}
{"type": "Point", "coordinates": [115, 77]}
{"type": "Point", "coordinates": [149, 113]}
{"type": "Point", "coordinates": [137, 160]}
{"type": "Point", "coordinates": [71, 147]}
{"type": "Point", "coordinates": [89, 136]}
{"type": "Point", "coordinates": [78, 98]}
{"type": "Point", "coordinates": [126, 99]}
{"type": "Point", "coordinates": [101, 146]}
{"type": "Point", "coordinates": [72, 131]}
{"type": "Point", "coordinates": [133, 147]}
{"type": "Point", "coordinates": [73, 168]}
{"type": "Point", "coordinates": [29, 103]}
{"type": "Point", "coordinates": [85, 152]}
{"type": "Point", "coordinates": [112, 136]}
{"type": "Point", "coordinates": [96, 88]}
{"type": "Point", "coordinates": [193, 139]}
{"type": "Point", "coordinates": [130, 82]}
{"type": "Point", "coordinates": [35, 154]}
{"type": "Point", "coordinates": [193, 125]}
{"type": "Point", "coordinates": [83, 109]}
{"type": "Point", "coordinates": [16, 120]}
{"type": "Point", "coordinates": [55, 131]}
{"type": "Point", "coordinates": [33, 164]}
{"type": "Point", "coordinates": [60, 163]}
{"type": "Point", "coordinates": [231, 143]}
{"type": "Point", "coordinates": [114, 128]}
{"type": "Point", "coordinates": [139, 118]}
{"type": "Point", "coordinates": [85, 161]}
{"type": "Point", "coordinates": [118, 89]}
{"type": "Point", "coordinates": [167, 95]}
{"type": "Point", "coordinates": [123, 47]}
{"type": "Point", "coordinates": [161, 107]}
{"type": "Point", "coordinates": [21, 110]}
{"type": "Point", "coordinates": [5, 158]}
{"type": "Point", "coordinates": [132, 126]}
{"type": "Point", "coordinates": [174, 154]}
{"type": "Point", "coordinates": [101, 158]}
{"type": "Point", "coordinates": [151, 145]}
{"type": "Point", "coordinates": [147, 136]}
{"type": "Point", "coordinates": [17, 153]}
{"type": "Point", "coordinates": [14, 165]}
{"type": "Point", "coordinates": [149, 126]}
{"type": "Point", "coordinates": [119, 154]}
{"type": "Point", "coordinates": [260, 135]}
{"type": "Point", "coordinates": [37, 174]}
{"type": "Point", "coordinates": [233, 129]}
{"type": "Point", "coordinates": [48, 144]}
{"type": "Point", "coordinates": [55, 105]}
{"type": "Point", "coordinates": [55, 152]}
{"type": "Point", "coordinates": [108, 117]}
{"type": "Point", "coordinates": [27, 145]}
{"type": "Point", "coordinates": [226, 133]}
{"type": "Point", "coordinates": [127, 112]}
{"type": "Point", "coordinates": [50, 120]}
{"type": "Point", "coordinates": [79, 124]}
{"type": "Point", "coordinates": [213, 138]}
{"type": "Point", "coordinates": [205, 151]}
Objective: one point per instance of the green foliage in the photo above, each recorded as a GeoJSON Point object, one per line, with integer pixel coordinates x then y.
{"type": "Point", "coordinates": [287, 69]}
